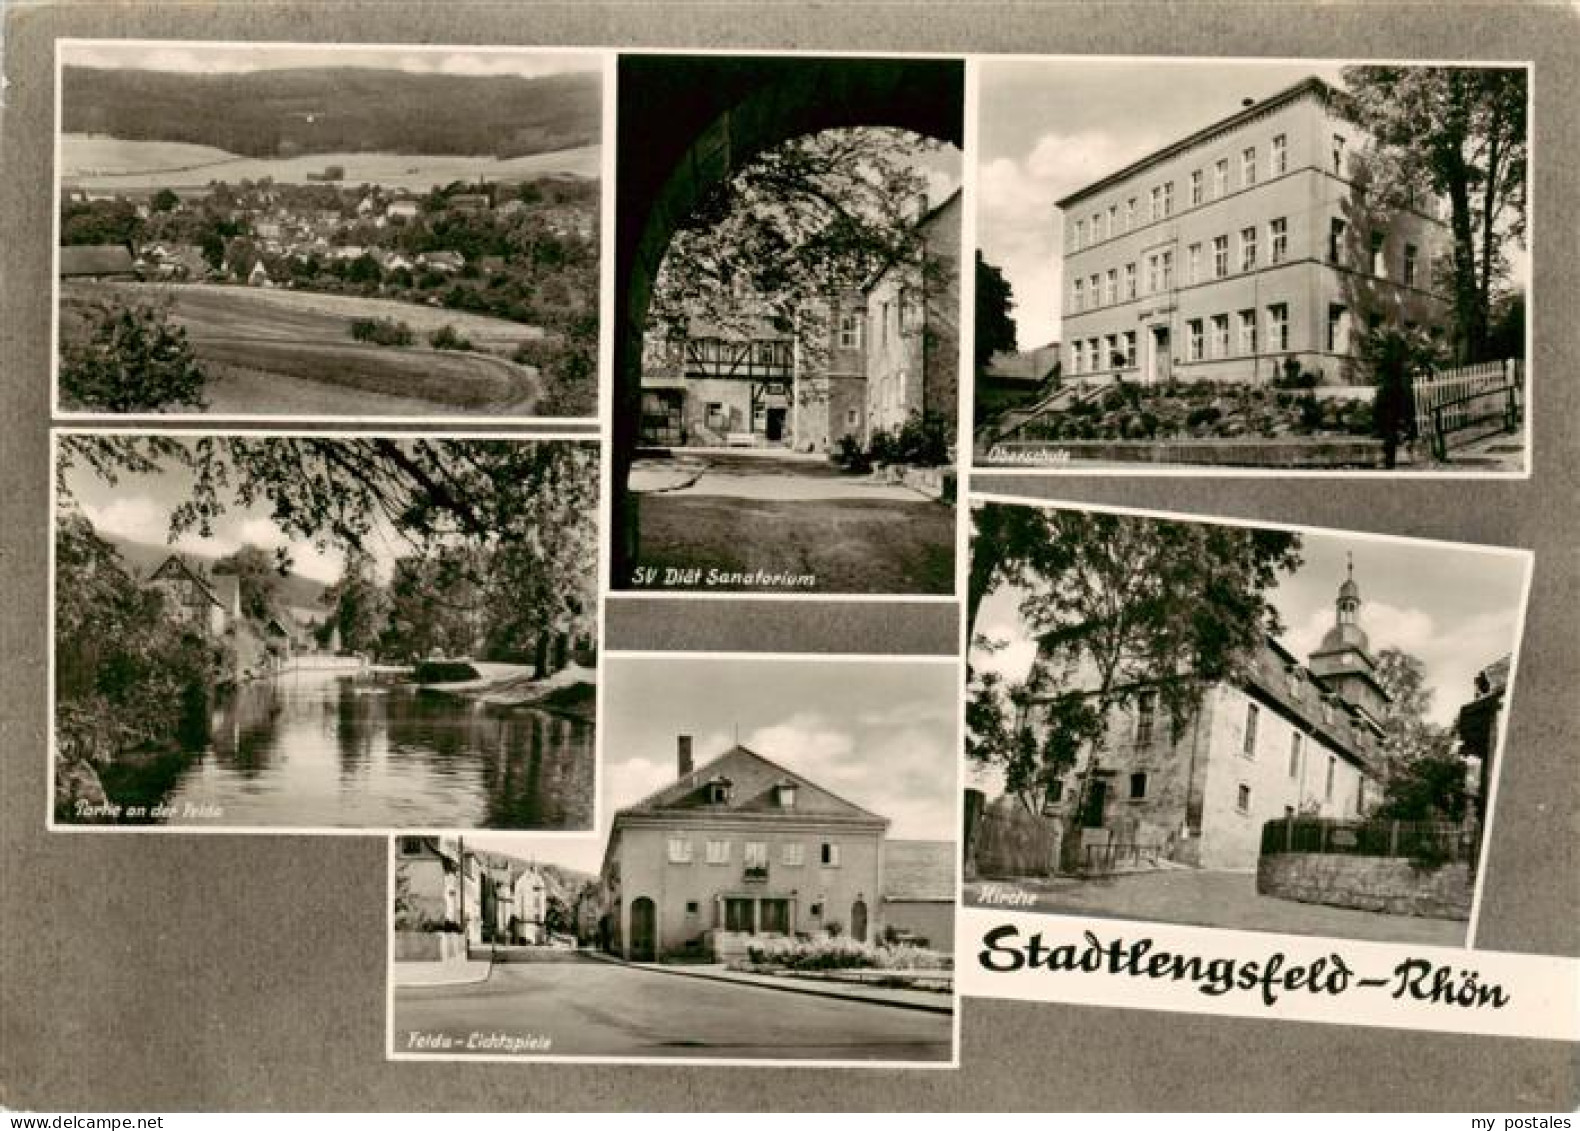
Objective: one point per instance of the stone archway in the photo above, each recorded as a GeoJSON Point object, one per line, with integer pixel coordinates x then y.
{"type": "Point", "coordinates": [686, 124]}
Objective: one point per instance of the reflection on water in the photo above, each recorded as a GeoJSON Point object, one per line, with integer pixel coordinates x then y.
{"type": "Point", "coordinates": [327, 749]}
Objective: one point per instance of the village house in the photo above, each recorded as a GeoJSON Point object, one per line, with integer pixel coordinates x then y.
{"type": "Point", "coordinates": [447, 262]}
{"type": "Point", "coordinates": [1244, 244]}
{"type": "Point", "coordinates": [737, 849]}
{"type": "Point", "coordinates": [402, 211]}
{"type": "Point", "coordinates": [429, 869]}
{"type": "Point", "coordinates": [1284, 739]}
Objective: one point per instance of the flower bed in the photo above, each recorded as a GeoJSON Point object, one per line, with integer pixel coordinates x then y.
{"type": "Point", "coordinates": [1203, 410]}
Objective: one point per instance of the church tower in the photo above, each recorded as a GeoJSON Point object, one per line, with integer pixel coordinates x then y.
{"type": "Point", "coordinates": [1343, 661]}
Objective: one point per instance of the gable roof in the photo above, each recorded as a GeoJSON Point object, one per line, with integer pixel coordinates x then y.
{"type": "Point", "coordinates": [752, 779]}
{"type": "Point", "coordinates": [919, 870]}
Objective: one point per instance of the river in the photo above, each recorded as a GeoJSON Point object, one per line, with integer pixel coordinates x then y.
{"type": "Point", "coordinates": [337, 750]}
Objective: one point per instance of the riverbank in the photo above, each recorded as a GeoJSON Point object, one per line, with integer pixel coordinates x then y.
{"type": "Point", "coordinates": [572, 691]}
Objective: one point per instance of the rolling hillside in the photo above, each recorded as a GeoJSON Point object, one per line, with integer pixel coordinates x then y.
{"type": "Point", "coordinates": [276, 352]}
{"type": "Point", "coordinates": [288, 113]}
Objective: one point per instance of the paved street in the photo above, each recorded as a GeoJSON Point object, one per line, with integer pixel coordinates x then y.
{"type": "Point", "coordinates": [705, 519]}
{"type": "Point", "coordinates": [595, 1008]}
{"type": "Point", "coordinates": [1209, 899]}
{"type": "Point", "coordinates": [773, 474]}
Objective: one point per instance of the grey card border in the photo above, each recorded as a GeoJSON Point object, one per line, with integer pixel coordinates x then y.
{"type": "Point", "coordinates": [246, 973]}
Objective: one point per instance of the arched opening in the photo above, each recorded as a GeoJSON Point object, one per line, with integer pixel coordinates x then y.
{"type": "Point", "coordinates": [858, 920]}
{"type": "Point", "coordinates": [687, 125]}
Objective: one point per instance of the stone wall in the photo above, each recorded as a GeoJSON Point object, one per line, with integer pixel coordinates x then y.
{"type": "Point", "coordinates": [1367, 883]}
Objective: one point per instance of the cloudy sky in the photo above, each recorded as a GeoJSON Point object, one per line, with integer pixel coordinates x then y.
{"type": "Point", "coordinates": [880, 734]}
{"type": "Point", "coordinates": [1049, 127]}
{"type": "Point", "coordinates": [1455, 608]}
{"type": "Point", "coordinates": [208, 58]}
{"type": "Point", "coordinates": [137, 508]}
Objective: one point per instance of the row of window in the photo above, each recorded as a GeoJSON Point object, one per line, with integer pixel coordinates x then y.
{"type": "Point", "coordinates": [1106, 224]}
{"type": "Point", "coordinates": [1095, 291]}
{"type": "Point", "coordinates": [754, 854]}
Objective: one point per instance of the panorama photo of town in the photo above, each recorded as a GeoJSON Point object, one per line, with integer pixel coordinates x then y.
{"type": "Point", "coordinates": [787, 365]}
{"type": "Point", "coordinates": [1243, 264]}
{"type": "Point", "coordinates": [774, 879]}
{"type": "Point", "coordinates": [1257, 728]}
{"type": "Point", "coordinates": [318, 232]}
{"type": "Point", "coordinates": [324, 632]}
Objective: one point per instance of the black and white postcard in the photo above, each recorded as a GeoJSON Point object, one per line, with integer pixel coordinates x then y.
{"type": "Point", "coordinates": [265, 631]}
{"type": "Point", "coordinates": [1254, 728]}
{"type": "Point", "coordinates": [306, 231]}
{"type": "Point", "coordinates": [776, 881]}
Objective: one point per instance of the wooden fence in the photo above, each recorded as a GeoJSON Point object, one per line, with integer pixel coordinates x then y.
{"type": "Point", "coordinates": [1471, 397]}
{"type": "Point", "coordinates": [1445, 840]}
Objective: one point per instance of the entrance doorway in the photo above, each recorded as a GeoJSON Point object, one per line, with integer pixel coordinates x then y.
{"type": "Point", "coordinates": [644, 930]}
{"type": "Point", "coordinates": [774, 427]}
{"type": "Point", "coordinates": [1158, 370]}
{"type": "Point", "coordinates": [858, 921]}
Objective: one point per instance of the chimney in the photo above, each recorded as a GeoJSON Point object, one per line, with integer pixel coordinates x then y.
{"type": "Point", "coordinates": [683, 755]}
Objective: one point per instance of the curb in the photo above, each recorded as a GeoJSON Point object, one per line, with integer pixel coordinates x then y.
{"type": "Point", "coordinates": [810, 991]}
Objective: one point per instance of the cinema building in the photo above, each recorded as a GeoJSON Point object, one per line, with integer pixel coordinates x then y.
{"type": "Point", "coordinates": [1245, 244]}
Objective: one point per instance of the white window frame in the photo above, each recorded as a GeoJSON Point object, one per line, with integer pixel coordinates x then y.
{"type": "Point", "coordinates": [1248, 333]}
{"type": "Point", "coordinates": [1278, 156]}
{"type": "Point", "coordinates": [1220, 257]}
{"type": "Point", "coordinates": [1248, 248]}
{"type": "Point", "coordinates": [718, 852]}
{"type": "Point", "coordinates": [680, 850]}
{"type": "Point", "coordinates": [1277, 327]}
{"type": "Point", "coordinates": [1277, 239]}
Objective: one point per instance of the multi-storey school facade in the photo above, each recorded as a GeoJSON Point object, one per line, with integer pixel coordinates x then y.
{"type": "Point", "coordinates": [1244, 244]}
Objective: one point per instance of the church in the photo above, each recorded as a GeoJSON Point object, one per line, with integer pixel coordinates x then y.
{"type": "Point", "coordinates": [1284, 738]}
